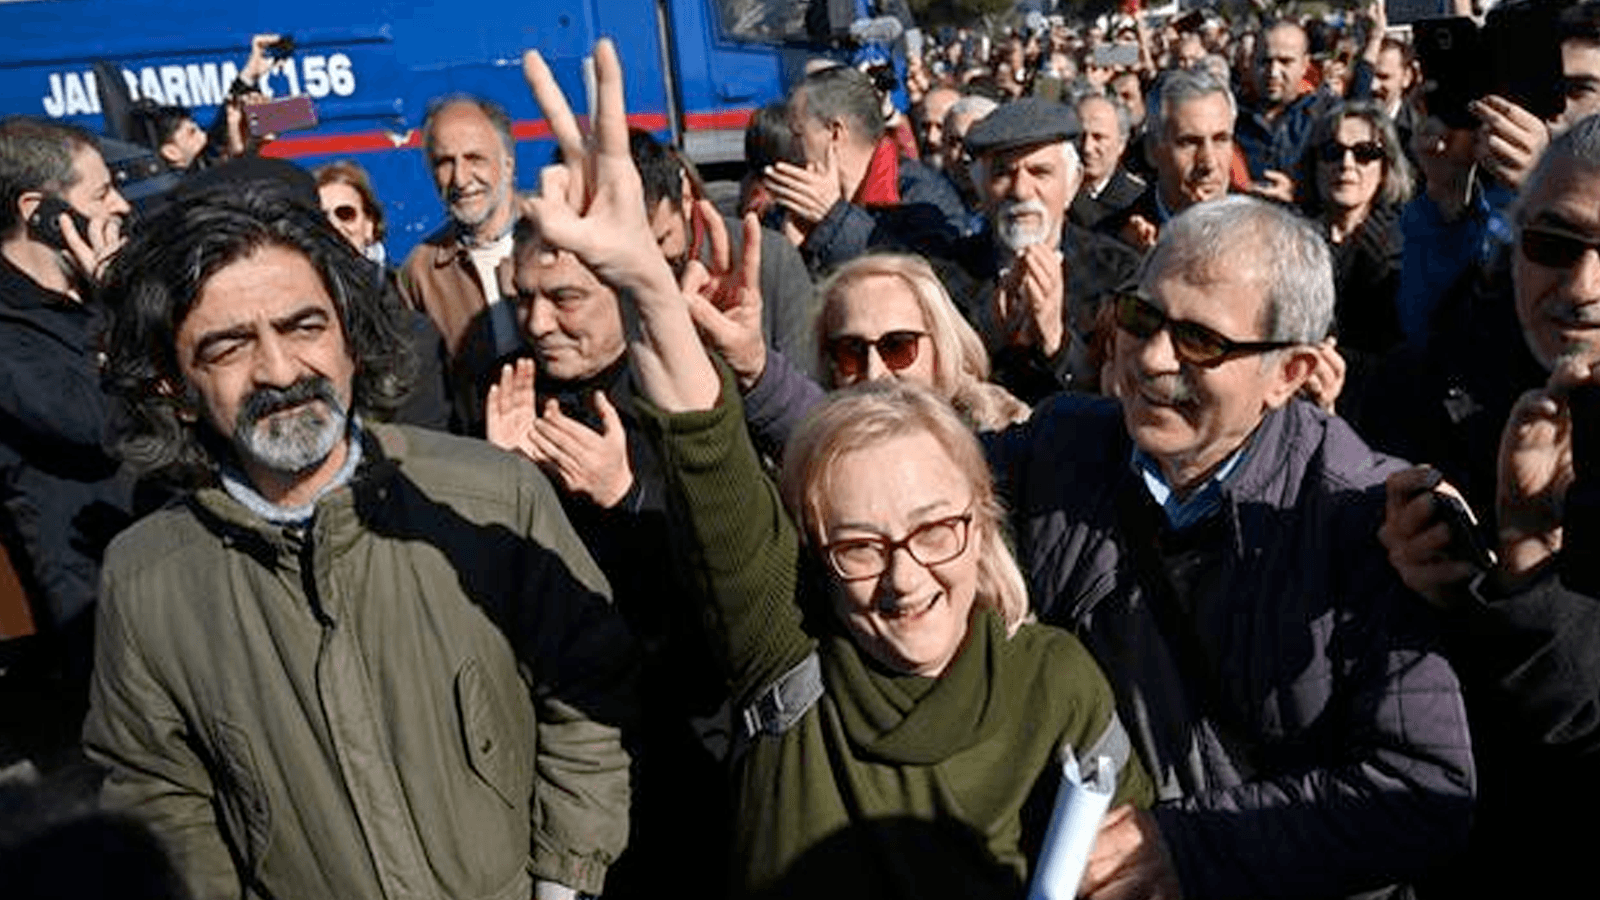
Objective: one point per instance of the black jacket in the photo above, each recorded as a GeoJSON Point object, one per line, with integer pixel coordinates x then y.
{"type": "Point", "coordinates": [63, 496]}
{"type": "Point", "coordinates": [1119, 194]}
{"type": "Point", "coordinates": [928, 219]}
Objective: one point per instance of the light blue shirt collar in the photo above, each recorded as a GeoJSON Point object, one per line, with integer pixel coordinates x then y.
{"type": "Point", "coordinates": [1201, 503]}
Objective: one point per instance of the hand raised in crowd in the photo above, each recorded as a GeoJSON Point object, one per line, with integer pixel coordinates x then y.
{"type": "Point", "coordinates": [91, 252]}
{"type": "Point", "coordinates": [592, 205]}
{"type": "Point", "coordinates": [1418, 541]}
{"type": "Point", "coordinates": [1029, 299]}
{"type": "Point", "coordinates": [585, 462]}
{"type": "Point", "coordinates": [725, 300]}
{"type": "Point", "coordinates": [1510, 139]}
{"type": "Point", "coordinates": [1274, 185]}
{"type": "Point", "coordinates": [807, 192]}
{"type": "Point", "coordinates": [1326, 381]}
{"type": "Point", "coordinates": [260, 63]}
{"type": "Point", "coordinates": [1536, 470]}
{"type": "Point", "coordinates": [1139, 233]}
{"type": "Point", "coordinates": [1129, 860]}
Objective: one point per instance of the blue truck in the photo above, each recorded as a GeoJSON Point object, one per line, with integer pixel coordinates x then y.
{"type": "Point", "coordinates": [696, 70]}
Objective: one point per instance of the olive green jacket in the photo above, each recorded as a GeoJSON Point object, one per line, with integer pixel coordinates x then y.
{"type": "Point", "coordinates": [338, 712]}
{"type": "Point", "coordinates": [889, 785]}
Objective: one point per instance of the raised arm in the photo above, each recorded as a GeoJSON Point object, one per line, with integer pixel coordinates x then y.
{"type": "Point", "coordinates": [593, 206]}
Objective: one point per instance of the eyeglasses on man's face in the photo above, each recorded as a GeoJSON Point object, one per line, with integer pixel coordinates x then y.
{"type": "Point", "coordinates": [932, 543]}
{"type": "Point", "coordinates": [1194, 343]}
{"type": "Point", "coordinates": [1552, 248]}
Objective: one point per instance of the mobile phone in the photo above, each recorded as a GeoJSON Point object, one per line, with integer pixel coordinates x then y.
{"type": "Point", "coordinates": [1466, 537]}
{"type": "Point", "coordinates": [1189, 21]}
{"type": "Point", "coordinates": [44, 225]}
{"type": "Point", "coordinates": [278, 116]}
{"type": "Point", "coordinates": [1112, 56]}
{"type": "Point", "coordinates": [1454, 64]}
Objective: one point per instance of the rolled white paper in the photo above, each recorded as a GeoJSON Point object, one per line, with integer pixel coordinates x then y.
{"type": "Point", "coordinates": [1081, 802]}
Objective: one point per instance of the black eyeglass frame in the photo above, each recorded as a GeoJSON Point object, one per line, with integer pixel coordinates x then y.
{"type": "Point", "coordinates": [1549, 256]}
{"type": "Point", "coordinates": [888, 548]}
{"type": "Point", "coordinates": [1365, 152]}
{"type": "Point", "coordinates": [1189, 339]}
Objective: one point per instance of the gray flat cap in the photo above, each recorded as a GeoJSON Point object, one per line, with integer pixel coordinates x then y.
{"type": "Point", "coordinates": [1031, 120]}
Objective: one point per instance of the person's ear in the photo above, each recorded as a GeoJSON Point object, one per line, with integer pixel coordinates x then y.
{"type": "Point", "coordinates": [27, 203]}
{"type": "Point", "coordinates": [1289, 373]}
{"type": "Point", "coordinates": [170, 152]}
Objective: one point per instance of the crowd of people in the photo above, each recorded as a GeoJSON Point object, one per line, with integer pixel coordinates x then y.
{"type": "Point", "coordinates": [1213, 401]}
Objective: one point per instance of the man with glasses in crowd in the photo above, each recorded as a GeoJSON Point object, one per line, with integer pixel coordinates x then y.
{"type": "Point", "coordinates": [1524, 627]}
{"type": "Point", "coordinates": [1211, 538]}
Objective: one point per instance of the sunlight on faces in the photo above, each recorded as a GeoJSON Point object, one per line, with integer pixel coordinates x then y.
{"type": "Point", "coordinates": [1559, 307]}
{"type": "Point", "coordinates": [1580, 68]}
{"type": "Point", "coordinates": [264, 350]}
{"type": "Point", "coordinates": [93, 192]}
{"type": "Point", "coordinates": [912, 618]}
{"type": "Point", "coordinates": [812, 136]}
{"type": "Point", "coordinates": [572, 320]}
{"type": "Point", "coordinates": [1193, 157]}
{"type": "Point", "coordinates": [345, 210]}
{"type": "Point", "coordinates": [869, 309]}
{"type": "Point", "coordinates": [1349, 183]}
{"type": "Point", "coordinates": [1188, 417]}
{"type": "Point", "coordinates": [1282, 63]}
{"type": "Point", "coordinates": [1027, 192]}
{"type": "Point", "coordinates": [1390, 77]}
{"type": "Point", "coordinates": [671, 227]}
{"type": "Point", "coordinates": [1102, 139]}
{"type": "Point", "coordinates": [470, 166]}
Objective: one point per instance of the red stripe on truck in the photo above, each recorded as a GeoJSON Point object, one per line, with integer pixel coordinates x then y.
{"type": "Point", "coordinates": [296, 146]}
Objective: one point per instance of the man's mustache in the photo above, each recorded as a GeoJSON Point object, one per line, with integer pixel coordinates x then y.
{"type": "Point", "coordinates": [263, 402]}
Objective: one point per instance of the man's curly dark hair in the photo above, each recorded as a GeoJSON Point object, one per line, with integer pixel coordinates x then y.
{"type": "Point", "coordinates": [155, 282]}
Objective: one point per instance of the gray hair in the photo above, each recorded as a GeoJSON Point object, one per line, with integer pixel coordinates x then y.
{"type": "Point", "coordinates": [1177, 87]}
{"type": "Point", "coordinates": [1069, 159]}
{"type": "Point", "coordinates": [1398, 181]}
{"type": "Point", "coordinates": [1288, 255]}
{"type": "Point", "coordinates": [971, 107]}
{"type": "Point", "coordinates": [491, 110]}
{"type": "Point", "coordinates": [36, 155]}
{"type": "Point", "coordinates": [846, 94]}
{"type": "Point", "coordinates": [1578, 145]}
{"type": "Point", "coordinates": [1124, 117]}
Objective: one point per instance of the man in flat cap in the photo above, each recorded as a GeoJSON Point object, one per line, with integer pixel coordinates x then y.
{"type": "Point", "coordinates": [1037, 278]}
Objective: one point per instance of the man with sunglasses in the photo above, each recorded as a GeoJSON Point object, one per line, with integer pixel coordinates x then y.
{"type": "Point", "coordinates": [1524, 623]}
{"type": "Point", "coordinates": [1210, 537]}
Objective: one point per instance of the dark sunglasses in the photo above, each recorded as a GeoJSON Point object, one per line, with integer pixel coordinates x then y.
{"type": "Point", "coordinates": [1365, 151]}
{"type": "Point", "coordinates": [346, 213]}
{"type": "Point", "coordinates": [1193, 343]}
{"type": "Point", "coordinates": [897, 349]}
{"type": "Point", "coordinates": [1553, 249]}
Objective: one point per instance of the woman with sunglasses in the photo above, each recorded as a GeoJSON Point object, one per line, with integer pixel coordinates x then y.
{"type": "Point", "coordinates": [881, 316]}
{"type": "Point", "coordinates": [895, 711]}
{"type": "Point", "coordinates": [1360, 180]}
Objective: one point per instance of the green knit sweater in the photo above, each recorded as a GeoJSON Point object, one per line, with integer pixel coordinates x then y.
{"type": "Point", "coordinates": [891, 785]}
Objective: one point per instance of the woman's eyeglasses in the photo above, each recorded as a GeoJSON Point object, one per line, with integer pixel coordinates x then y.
{"type": "Point", "coordinates": [344, 212]}
{"type": "Point", "coordinates": [1365, 152]}
{"type": "Point", "coordinates": [1193, 343]}
{"type": "Point", "coordinates": [897, 349]}
{"type": "Point", "coordinates": [1554, 249]}
{"type": "Point", "coordinates": [932, 543]}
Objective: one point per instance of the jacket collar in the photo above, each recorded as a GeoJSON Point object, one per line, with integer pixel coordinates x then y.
{"type": "Point", "coordinates": [881, 185]}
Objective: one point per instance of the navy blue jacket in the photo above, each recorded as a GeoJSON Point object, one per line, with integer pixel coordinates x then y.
{"type": "Point", "coordinates": [928, 219]}
{"type": "Point", "coordinates": [1285, 691]}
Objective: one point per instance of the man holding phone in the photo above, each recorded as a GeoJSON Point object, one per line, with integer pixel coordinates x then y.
{"type": "Point", "coordinates": [62, 497]}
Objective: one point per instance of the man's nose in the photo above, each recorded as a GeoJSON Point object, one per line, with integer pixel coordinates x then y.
{"type": "Point", "coordinates": [541, 318]}
{"type": "Point", "coordinates": [117, 204]}
{"type": "Point", "coordinates": [276, 365]}
{"type": "Point", "coordinates": [1584, 279]}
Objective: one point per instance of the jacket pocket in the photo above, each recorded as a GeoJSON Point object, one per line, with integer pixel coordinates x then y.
{"type": "Point", "coordinates": [242, 795]}
{"type": "Point", "coordinates": [491, 749]}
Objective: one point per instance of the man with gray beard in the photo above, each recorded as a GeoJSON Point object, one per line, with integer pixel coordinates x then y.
{"type": "Point", "coordinates": [1038, 280]}
{"type": "Point", "coordinates": [378, 652]}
